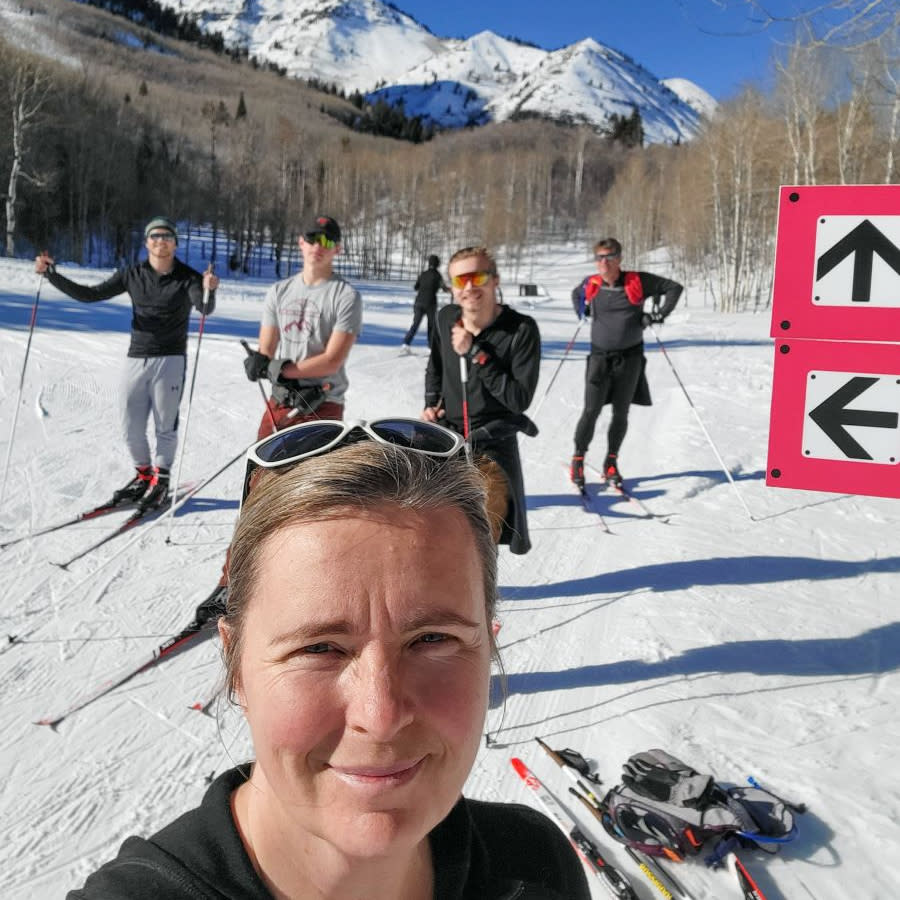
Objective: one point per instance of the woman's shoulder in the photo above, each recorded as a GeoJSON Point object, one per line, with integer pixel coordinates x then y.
{"type": "Point", "coordinates": [193, 857]}
{"type": "Point", "coordinates": [522, 843]}
{"type": "Point", "coordinates": [485, 811]}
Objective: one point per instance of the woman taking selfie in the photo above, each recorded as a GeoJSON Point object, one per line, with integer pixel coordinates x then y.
{"type": "Point", "coordinates": [357, 642]}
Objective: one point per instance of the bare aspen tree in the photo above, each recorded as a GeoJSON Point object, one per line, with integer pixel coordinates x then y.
{"type": "Point", "coordinates": [741, 222]}
{"type": "Point", "coordinates": [581, 139]}
{"type": "Point", "coordinates": [885, 55]}
{"type": "Point", "coordinates": [837, 23]}
{"type": "Point", "coordinates": [28, 90]}
{"type": "Point", "coordinates": [800, 91]}
{"type": "Point", "coordinates": [852, 117]}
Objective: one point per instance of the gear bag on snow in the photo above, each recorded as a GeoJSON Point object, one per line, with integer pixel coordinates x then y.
{"type": "Point", "coordinates": [666, 808]}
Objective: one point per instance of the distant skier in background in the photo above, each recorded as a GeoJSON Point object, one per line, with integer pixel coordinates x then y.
{"type": "Point", "coordinates": [162, 290]}
{"type": "Point", "coordinates": [614, 301]}
{"type": "Point", "coordinates": [500, 350]}
{"type": "Point", "coordinates": [427, 286]}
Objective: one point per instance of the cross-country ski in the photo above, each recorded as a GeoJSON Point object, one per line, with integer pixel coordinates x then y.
{"type": "Point", "coordinates": [103, 510]}
{"type": "Point", "coordinates": [614, 883]}
{"type": "Point", "coordinates": [188, 636]}
{"type": "Point", "coordinates": [138, 517]}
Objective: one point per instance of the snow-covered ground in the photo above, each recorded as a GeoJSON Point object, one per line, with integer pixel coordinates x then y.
{"type": "Point", "coordinates": [765, 645]}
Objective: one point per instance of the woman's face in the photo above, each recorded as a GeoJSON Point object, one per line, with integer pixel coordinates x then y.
{"type": "Point", "coordinates": [364, 676]}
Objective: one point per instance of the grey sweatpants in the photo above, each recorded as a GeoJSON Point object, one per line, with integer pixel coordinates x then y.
{"type": "Point", "coordinates": [152, 385]}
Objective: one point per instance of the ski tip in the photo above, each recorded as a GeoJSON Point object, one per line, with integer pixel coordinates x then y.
{"type": "Point", "coordinates": [49, 723]}
{"type": "Point", "coordinates": [61, 565]}
{"type": "Point", "coordinates": [520, 767]}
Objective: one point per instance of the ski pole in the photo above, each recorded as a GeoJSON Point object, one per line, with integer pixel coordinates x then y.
{"type": "Point", "coordinates": [262, 392]}
{"type": "Point", "coordinates": [569, 346]}
{"type": "Point", "coordinates": [12, 431]}
{"type": "Point", "coordinates": [187, 415]}
{"type": "Point", "coordinates": [464, 382]}
{"type": "Point", "coordinates": [702, 426]}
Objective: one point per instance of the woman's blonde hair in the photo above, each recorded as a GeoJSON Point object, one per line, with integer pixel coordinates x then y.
{"type": "Point", "coordinates": [359, 476]}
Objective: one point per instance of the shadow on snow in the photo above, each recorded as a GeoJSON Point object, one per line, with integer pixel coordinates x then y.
{"type": "Point", "coordinates": [873, 652]}
{"type": "Point", "coordinates": [675, 576]}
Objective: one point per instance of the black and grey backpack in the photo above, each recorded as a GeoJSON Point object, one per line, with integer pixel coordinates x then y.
{"type": "Point", "coordinates": [665, 808]}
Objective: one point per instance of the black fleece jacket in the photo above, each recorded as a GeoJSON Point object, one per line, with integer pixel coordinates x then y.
{"type": "Point", "coordinates": [427, 286]}
{"type": "Point", "coordinates": [481, 851]}
{"type": "Point", "coordinates": [503, 368]}
{"type": "Point", "coordinates": [161, 304]}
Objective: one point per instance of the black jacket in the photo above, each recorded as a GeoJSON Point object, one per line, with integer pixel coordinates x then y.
{"type": "Point", "coordinates": [503, 367]}
{"type": "Point", "coordinates": [427, 286]}
{"type": "Point", "coordinates": [161, 304]}
{"type": "Point", "coordinates": [481, 851]}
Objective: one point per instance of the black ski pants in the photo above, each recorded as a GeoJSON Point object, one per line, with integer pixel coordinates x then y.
{"type": "Point", "coordinates": [420, 312]}
{"type": "Point", "coordinates": [612, 377]}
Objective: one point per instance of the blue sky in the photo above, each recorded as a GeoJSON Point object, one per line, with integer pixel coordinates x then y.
{"type": "Point", "coordinates": [715, 43]}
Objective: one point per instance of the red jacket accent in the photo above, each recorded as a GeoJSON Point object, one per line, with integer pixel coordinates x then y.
{"type": "Point", "coordinates": [634, 290]}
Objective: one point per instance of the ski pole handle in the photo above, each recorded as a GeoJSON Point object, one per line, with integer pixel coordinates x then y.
{"type": "Point", "coordinates": [262, 391]}
{"type": "Point", "coordinates": [210, 269]}
{"type": "Point", "coordinates": [464, 379]}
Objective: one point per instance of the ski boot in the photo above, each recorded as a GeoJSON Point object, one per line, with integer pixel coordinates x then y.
{"type": "Point", "coordinates": [611, 470]}
{"type": "Point", "coordinates": [213, 606]}
{"type": "Point", "coordinates": [158, 492]}
{"type": "Point", "coordinates": [135, 489]}
{"type": "Point", "coordinates": [576, 471]}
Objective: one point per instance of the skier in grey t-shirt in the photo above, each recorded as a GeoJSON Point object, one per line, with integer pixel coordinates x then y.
{"type": "Point", "coordinates": [309, 324]}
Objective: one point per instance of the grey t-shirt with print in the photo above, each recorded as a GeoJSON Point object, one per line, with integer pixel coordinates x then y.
{"type": "Point", "coordinates": [307, 315]}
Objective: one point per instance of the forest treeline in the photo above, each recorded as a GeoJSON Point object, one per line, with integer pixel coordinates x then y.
{"type": "Point", "coordinates": [90, 148]}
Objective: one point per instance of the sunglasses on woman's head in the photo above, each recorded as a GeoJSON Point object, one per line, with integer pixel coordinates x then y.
{"type": "Point", "coordinates": [315, 438]}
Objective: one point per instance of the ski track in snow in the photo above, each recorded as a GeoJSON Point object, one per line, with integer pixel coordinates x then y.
{"type": "Point", "coordinates": [766, 646]}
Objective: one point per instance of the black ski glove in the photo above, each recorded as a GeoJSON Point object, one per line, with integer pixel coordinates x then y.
{"type": "Point", "coordinates": [274, 370]}
{"type": "Point", "coordinates": [256, 365]}
{"type": "Point", "coordinates": [652, 319]}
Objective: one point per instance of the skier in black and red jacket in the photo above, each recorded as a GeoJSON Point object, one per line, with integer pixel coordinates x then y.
{"type": "Point", "coordinates": [614, 299]}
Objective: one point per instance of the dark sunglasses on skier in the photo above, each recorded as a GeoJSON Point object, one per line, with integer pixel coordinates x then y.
{"type": "Point", "coordinates": [320, 239]}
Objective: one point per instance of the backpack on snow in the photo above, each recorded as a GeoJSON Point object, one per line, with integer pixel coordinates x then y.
{"type": "Point", "coordinates": [666, 808]}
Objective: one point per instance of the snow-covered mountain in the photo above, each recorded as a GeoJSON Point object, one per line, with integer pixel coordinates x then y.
{"type": "Point", "coordinates": [692, 94]}
{"type": "Point", "coordinates": [353, 43]}
{"type": "Point", "coordinates": [373, 47]}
